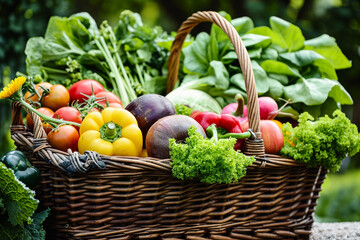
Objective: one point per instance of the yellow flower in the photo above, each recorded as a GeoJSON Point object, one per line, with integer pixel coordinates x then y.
{"type": "Point", "coordinates": [12, 88]}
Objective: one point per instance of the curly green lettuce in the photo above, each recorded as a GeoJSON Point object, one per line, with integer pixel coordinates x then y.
{"type": "Point", "coordinates": [181, 109]}
{"type": "Point", "coordinates": [325, 142]}
{"type": "Point", "coordinates": [208, 160]}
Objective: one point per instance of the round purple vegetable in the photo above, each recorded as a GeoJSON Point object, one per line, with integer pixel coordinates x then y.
{"type": "Point", "coordinates": [149, 108]}
{"type": "Point", "coordinates": [175, 126]}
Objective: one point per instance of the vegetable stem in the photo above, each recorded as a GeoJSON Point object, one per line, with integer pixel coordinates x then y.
{"type": "Point", "coordinates": [240, 108]}
{"type": "Point", "coordinates": [213, 133]}
{"type": "Point", "coordinates": [110, 131]}
{"type": "Point", "coordinates": [103, 48]}
{"type": "Point", "coordinates": [47, 118]}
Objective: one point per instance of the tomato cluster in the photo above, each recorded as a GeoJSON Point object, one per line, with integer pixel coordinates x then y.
{"type": "Point", "coordinates": [58, 102]}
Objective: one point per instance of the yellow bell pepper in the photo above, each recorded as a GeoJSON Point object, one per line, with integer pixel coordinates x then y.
{"type": "Point", "coordinates": [113, 132]}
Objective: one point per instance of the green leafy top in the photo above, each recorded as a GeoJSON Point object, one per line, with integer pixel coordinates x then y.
{"type": "Point", "coordinates": [127, 59]}
{"type": "Point", "coordinates": [282, 61]}
{"type": "Point", "coordinates": [16, 198]}
{"type": "Point", "coordinates": [325, 142]}
{"type": "Point", "coordinates": [181, 109]}
{"type": "Point", "coordinates": [208, 160]}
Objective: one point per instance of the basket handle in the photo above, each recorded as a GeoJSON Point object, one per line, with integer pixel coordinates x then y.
{"type": "Point", "coordinates": [244, 61]}
{"type": "Point", "coordinates": [16, 120]}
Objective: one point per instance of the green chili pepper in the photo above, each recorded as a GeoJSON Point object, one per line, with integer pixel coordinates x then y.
{"type": "Point", "coordinates": [24, 171]}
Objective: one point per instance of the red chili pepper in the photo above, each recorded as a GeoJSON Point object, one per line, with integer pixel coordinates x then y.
{"type": "Point", "coordinates": [226, 126]}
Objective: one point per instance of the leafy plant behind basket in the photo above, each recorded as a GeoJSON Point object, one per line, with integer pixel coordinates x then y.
{"type": "Point", "coordinates": [285, 65]}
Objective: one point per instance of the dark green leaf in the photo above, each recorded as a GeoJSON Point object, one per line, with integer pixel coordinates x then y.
{"type": "Point", "coordinates": [229, 57]}
{"type": "Point", "coordinates": [261, 79]}
{"type": "Point", "coordinates": [238, 81]}
{"type": "Point", "coordinates": [292, 36]}
{"type": "Point", "coordinates": [221, 74]}
{"type": "Point", "coordinates": [242, 25]}
{"type": "Point", "coordinates": [326, 69]}
{"type": "Point", "coordinates": [65, 36]}
{"type": "Point", "coordinates": [195, 55]}
{"type": "Point", "coordinates": [301, 58]}
{"type": "Point", "coordinates": [272, 66]}
{"type": "Point", "coordinates": [269, 54]}
{"type": "Point", "coordinates": [255, 53]}
{"type": "Point", "coordinates": [18, 199]}
{"type": "Point", "coordinates": [283, 79]}
{"type": "Point", "coordinates": [277, 42]}
{"type": "Point", "coordinates": [33, 53]}
{"type": "Point", "coordinates": [256, 41]}
{"type": "Point", "coordinates": [213, 48]}
{"type": "Point", "coordinates": [315, 91]}
{"type": "Point", "coordinates": [276, 89]}
{"type": "Point", "coordinates": [327, 47]}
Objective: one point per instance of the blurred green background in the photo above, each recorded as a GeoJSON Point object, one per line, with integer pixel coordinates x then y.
{"type": "Point", "coordinates": [22, 19]}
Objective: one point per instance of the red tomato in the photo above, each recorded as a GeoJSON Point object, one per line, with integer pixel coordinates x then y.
{"type": "Point", "coordinates": [86, 87]}
{"type": "Point", "coordinates": [270, 133]}
{"type": "Point", "coordinates": [46, 126]}
{"type": "Point", "coordinates": [57, 98]}
{"type": "Point", "coordinates": [38, 87]}
{"type": "Point", "coordinates": [68, 114]}
{"type": "Point", "coordinates": [115, 105]}
{"type": "Point", "coordinates": [108, 97]}
{"type": "Point", "coordinates": [64, 138]}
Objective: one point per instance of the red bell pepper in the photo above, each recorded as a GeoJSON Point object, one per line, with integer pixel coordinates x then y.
{"type": "Point", "coordinates": [222, 126]}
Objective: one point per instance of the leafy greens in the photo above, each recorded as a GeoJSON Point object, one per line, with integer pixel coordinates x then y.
{"type": "Point", "coordinates": [325, 142]}
{"type": "Point", "coordinates": [128, 59]}
{"type": "Point", "coordinates": [18, 219]}
{"type": "Point", "coordinates": [208, 160]}
{"type": "Point", "coordinates": [282, 60]}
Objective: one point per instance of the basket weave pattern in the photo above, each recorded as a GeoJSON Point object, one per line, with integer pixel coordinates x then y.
{"type": "Point", "coordinates": [138, 198]}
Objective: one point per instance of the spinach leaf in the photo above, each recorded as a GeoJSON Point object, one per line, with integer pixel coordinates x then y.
{"type": "Point", "coordinates": [327, 47]}
{"type": "Point", "coordinates": [242, 25]}
{"type": "Point", "coordinates": [273, 66]}
{"type": "Point", "coordinates": [315, 91]}
{"type": "Point", "coordinates": [195, 56]}
{"type": "Point", "coordinates": [256, 41]}
{"type": "Point", "coordinates": [291, 35]}
{"type": "Point", "coordinates": [301, 58]}
{"type": "Point", "coordinates": [261, 79]}
{"type": "Point", "coordinates": [277, 42]}
{"type": "Point", "coordinates": [218, 69]}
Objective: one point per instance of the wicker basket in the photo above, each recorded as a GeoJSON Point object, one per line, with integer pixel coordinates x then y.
{"type": "Point", "coordinates": [138, 198]}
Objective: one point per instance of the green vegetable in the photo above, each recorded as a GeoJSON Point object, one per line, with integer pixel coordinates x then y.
{"type": "Point", "coordinates": [18, 200]}
{"type": "Point", "coordinates": [24, 171]}
{"type": "Point", "coordinates": [282, 60]}
{"type": "Point", "coordinates": [127, 59]}
{"type": "Point", "coordinates": [183, 110]}
{"type": "Point", "coordinates": [325, 142]}
{"type": "Point", "coordinates": [195, 99]}
{"type": "Point", "coordinates": [18, 219]}
{"type": "Point", "coordinates": [208, 160]}
{"type": "Point", "coordinates": [33, 231]}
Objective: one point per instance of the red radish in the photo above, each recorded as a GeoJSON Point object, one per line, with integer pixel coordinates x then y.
{"type": "Point", "coordinates": [270, 133]}
{"type": "Point", "coordinates": [267, 106]}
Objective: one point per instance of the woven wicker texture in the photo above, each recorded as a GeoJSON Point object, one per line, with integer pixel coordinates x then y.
{"type": "Point", "coordinates": [138, 198]}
